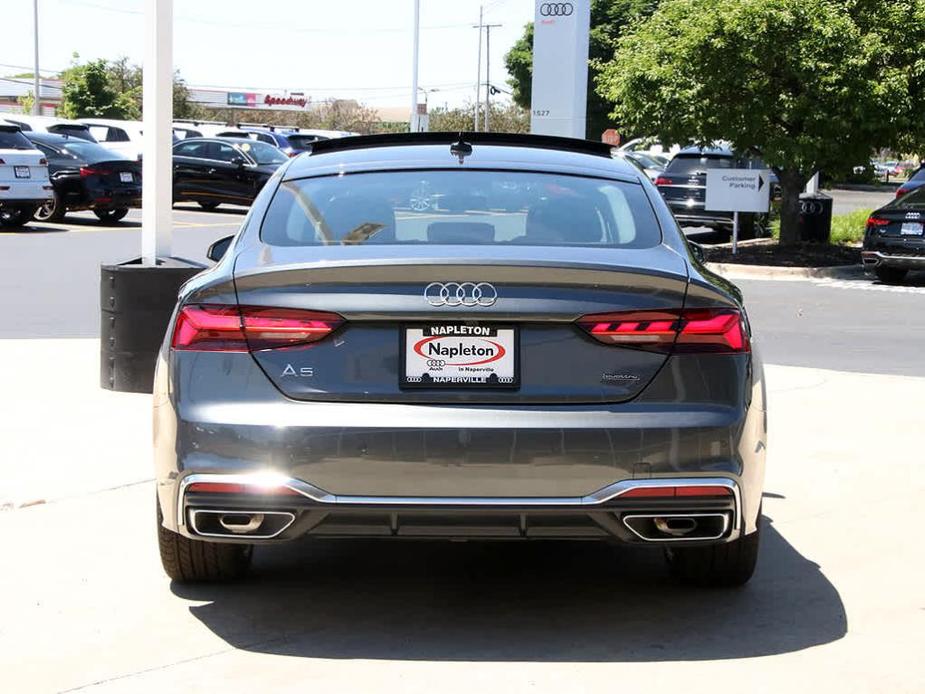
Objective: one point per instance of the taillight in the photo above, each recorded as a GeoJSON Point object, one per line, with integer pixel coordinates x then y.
{"type": "Point", "coordinates": [213, 328]}
{"type": "Point", "coordinates": [877, 221]}
{"type": "Point", "coordinates": [90, 171]}
{"type": "Point", "coordinates": [716, 330]}
{"type": "Point", "coordinates": [901, 191]}
{"type": "Point", "coordinates": [43, 162]}
{"type": "Point", "coordinates": [662, 181]}
{"type": "Point", "coordinates": [672, 492]}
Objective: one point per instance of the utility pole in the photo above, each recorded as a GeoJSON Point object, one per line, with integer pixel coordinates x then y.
{"type": "Point", "coordinates": [36, 103]}
{"type": "Point", "coordinates": [478, 78]}
{"type": "Point", "coordinates": [414, 70]}
{"type": "Point", "coordinates": [488, 28]}
{"type": "Point", "coordinates": [478, 75]}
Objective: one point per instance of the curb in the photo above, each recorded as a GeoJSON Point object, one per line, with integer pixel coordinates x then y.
{"type": "Point", "coordinates": [774, 272]}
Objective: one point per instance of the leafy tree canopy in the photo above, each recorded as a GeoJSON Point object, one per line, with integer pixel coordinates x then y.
{"type": "Point", "coordinates": [811, 84]}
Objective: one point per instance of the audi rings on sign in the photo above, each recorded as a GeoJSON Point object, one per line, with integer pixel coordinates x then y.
{"type": "Point", "coordinates": [810, 207]}
{"type": "Point", "coordinates": [468, 294]}
{"type": "Point", "coordinates": [556, 9]}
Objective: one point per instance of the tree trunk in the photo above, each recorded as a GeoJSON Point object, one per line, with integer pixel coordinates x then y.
{"type": "Point", "coordinates": [791, 185]}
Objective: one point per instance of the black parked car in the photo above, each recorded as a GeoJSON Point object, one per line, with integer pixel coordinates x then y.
{"type": "Point", "coordinates": [683, 185]}
{"type": "Point", "coordinates": [217, 170]}
{"type": "Point", "coordinates": [87, 176]}
{"type": "Point", "coordinates": [894, 241]}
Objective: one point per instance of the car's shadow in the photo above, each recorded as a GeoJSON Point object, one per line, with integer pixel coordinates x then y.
{"type": "Point", "coordinates": [93, 222]}
{"type": "Point", "coordinates": [584, 602]}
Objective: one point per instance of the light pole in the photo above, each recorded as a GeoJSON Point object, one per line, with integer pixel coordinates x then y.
{"type": "Point", "coordinates": [413, 123]}
{"type": "Point", "coordinates": [36, 104]}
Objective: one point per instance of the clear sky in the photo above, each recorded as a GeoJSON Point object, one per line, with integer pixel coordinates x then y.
{"type": "Point", "coordinates": [345, 48]}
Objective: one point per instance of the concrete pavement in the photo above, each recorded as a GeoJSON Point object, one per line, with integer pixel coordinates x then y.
{"type": "Point", "coordinates": [836, 603]}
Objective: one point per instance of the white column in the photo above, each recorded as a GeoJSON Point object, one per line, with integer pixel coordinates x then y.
{"type": "Point", "coordinates": [560, 68]}
{"type": "Point", "coordinates": [157, 164]}
{"type": "Point", "coordinates": [36, 85]}
{"type": "Point", "coordinates": [414, 68]}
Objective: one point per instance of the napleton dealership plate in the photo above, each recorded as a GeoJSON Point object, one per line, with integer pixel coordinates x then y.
{"type": "Point", "coordinates": [443, 355]}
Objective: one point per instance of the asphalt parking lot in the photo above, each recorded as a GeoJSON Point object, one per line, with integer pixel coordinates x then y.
{"type": "Point", "coordinates": [836, 603]}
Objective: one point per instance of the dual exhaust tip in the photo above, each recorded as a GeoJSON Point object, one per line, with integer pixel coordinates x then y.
{"type": "Point", "coordinates": [674, 527]}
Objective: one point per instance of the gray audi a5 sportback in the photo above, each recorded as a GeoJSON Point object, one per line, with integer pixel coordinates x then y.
{"type": "Point", "coordinates": [475, 336]}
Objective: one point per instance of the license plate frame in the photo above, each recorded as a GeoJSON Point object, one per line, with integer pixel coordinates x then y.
{"type": "Point", "coordinates": [911, 229]}
{"type": "Point", "coordinates": [126, 177]}
{"type": "Point", "coordinates": [22, 172]}
{"type": "Point", "coordinates": [484, 375]}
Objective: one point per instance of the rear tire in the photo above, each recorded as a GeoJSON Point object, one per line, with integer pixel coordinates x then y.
{"type": "Point", "coordinates": [208, 206]}
{"type": "Point", "coordinates": [891, 275]}
{"type": "Point", "coordinates": [15, 217]}
{"type": "Point", "coordinates": [728, 565]}
{"type": "Point", "coordinates": [51, 211]}
{"type": "Point", "coordinates": [196, 561]}
{"type": "Point", "coordinates": [111, 215]}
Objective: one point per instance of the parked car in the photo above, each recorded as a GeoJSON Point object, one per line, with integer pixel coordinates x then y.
{"type": "Point", "coordinates": [87, 176]}
{"type": "Point", "coordinates": [49, 124]}
{"type": "Point", "coordinates": [683, 184]}
{"type": "Point", "coordinates": [122, 136]}
{"type": "Point", "coordinates": [915, 181]}
{"type": "Point", "coordinates": [349, 369]}
{"type": "Point", "coordinates": [894, 239]}
{"type": "Point", "coordinates": [652, 167]}
{"type": "Point", "coordinates": [293, 141]}
{"type": "Point", "coordinates": [212, 171]}
{"type": "Point", "coordinates": [24, 183]}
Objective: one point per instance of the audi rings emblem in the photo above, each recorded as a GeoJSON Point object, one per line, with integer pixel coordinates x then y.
{"type": "Point", "coordinates": [810, 207]}
{"type": "Point", "coordinates": [556, 9]}
{"type": "Point", "coordinates": [460, 294]}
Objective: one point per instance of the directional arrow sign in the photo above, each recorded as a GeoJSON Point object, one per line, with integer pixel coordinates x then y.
{"type": "Point", "coordinates": [738, 190]}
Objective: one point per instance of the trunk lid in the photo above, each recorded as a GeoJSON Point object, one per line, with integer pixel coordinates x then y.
{"type": "Point", "coordinates": [527, 302]}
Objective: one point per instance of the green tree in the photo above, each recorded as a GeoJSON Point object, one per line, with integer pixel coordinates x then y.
{"type": "Point", "coordinates": [609, 19]}
{"type": "Point", "coordinates": [810, 84]}
{"type": "Point", "coordinates": [27, 102]}
{"type": "Point", "coordinates": [505, 117]}
{"type": "Point", "coordinates": [88, 91]}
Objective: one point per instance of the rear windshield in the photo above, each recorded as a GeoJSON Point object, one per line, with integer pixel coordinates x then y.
{"type": "Point", "coordinates": [14, 139]}
{"type": "Point", "coordinates": [91, 152]}
{"type": "Point", "coordinates": [79, 131]}
{"type": "Point", "coordinates": [684, 164]}
{"type": "Point", "coordinates": [461, 207]}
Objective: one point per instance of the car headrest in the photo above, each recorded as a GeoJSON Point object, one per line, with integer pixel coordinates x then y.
{"type": "Point", "coordinates": [563, 220]}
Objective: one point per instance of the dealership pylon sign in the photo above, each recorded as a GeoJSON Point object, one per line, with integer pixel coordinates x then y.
{"type": "Point", "coordinates": [560, 68]}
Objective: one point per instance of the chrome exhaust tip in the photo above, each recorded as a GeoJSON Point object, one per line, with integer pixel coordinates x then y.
{"type": "Point", "coordinates": [243, 524]}
{"type": "Point", "coordinates": [675, 527]}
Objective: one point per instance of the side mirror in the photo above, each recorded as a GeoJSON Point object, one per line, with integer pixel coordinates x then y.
{"type": "Point", "coordinates": [218, 249]}
{"type": "Point", "coordinates": [697, 251]}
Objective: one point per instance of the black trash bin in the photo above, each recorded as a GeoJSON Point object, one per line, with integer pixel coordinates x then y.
{"type": "Point", "coordinates": [815, 223]}
{"type": "Point", "coordinates": [136, 302]}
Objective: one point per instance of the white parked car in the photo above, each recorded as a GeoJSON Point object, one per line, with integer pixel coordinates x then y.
{"type": "Point", "coordinates": [49, 124]}
{"type": "Point", "coordinates": [121, 136]}
{"type": "Point", "coordinates": [24, 184]}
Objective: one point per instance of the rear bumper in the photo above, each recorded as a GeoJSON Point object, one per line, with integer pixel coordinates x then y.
{"type": "Point", "coordinates": [605, 514]}
{"type": "Point", "coordinates": [517, 465]}
{"type": "Point", "coordinates": [875, 259]}
{"type": "Point", "coordinates": [696, 215]}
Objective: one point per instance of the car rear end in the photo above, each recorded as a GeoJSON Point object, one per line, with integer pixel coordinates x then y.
{"type": "Point", "coordinates": [355, 368]}
{"type": "Point", "coordinates": [100, 179]}
{"type": "Point", "coordinates": [894, 238]}
{"type": "Point", "coordinates": [24, 183]}
{"type": "Point", "coordinates": [683, 185]}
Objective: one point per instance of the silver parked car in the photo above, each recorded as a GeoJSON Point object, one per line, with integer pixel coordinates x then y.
{"type": "Point", "coordinates": [540, 355]}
